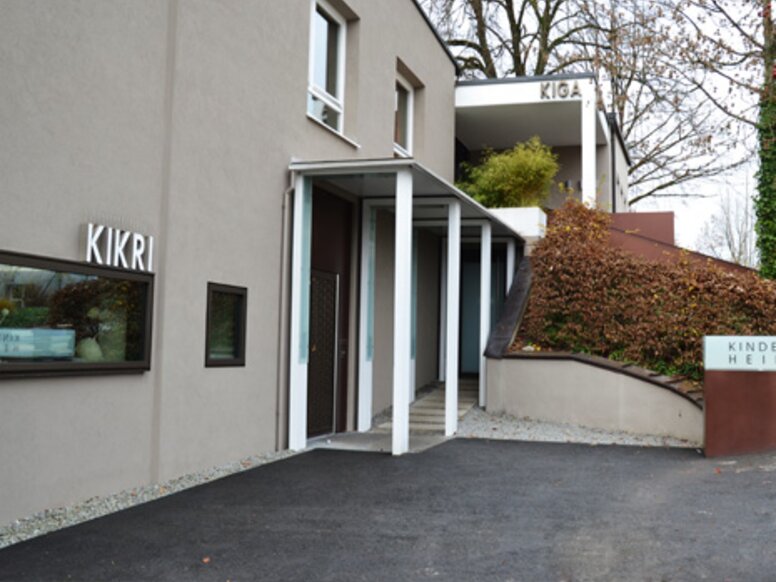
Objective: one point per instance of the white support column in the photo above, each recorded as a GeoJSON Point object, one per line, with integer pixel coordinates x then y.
{"type": "Point", "coordinates": [589, 177]}
{"type": "Point", "coordinates": [442, 316]}
{"type": "Point", "coordinates": [366, 317]}
{"type": "Point", "coordinates": [414, 321]}
{"type": "Point", "coordinates": [510, 263]}
{"type": "Point", "coordinates": [300, 313]}
{"type": "Point", "coordinates": [485, 258]}
{"type": "Point", "coordinates": [452, 292]}
{"type": "Point", "coordinates": [402, 316]}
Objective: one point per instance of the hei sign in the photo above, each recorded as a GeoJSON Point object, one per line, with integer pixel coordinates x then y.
{"type": "Point", "coordinates": [119, 248]}
{"type": "Point", "coordinates": [740, 353]}
{"type": "Point", "coordinates": [560, 90]}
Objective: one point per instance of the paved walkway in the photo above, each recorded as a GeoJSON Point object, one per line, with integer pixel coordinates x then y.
{"type": "Point", "coordinates": [465, 510]}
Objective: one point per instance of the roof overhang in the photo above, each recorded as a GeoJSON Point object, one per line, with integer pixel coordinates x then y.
{"type": "Point", "coordinates": [501, 112]}
{"type": "Point", "coordinates": [375, 180]}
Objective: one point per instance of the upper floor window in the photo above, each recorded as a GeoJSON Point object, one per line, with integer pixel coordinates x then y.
{"type": "Point", "coordinates": [402, 131]}
{"type": "Point", "coordinates": [327, 66]}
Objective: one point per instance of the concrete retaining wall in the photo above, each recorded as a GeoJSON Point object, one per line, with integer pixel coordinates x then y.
{"type": "Point", "coordinates": [573, 392]}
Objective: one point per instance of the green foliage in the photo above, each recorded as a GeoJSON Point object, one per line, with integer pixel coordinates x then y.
{"type": "Point", "coordinates": [590, 297]}
{"type": "Point", "coordinates": [26, 317]}
{"type": "Point", "coordinates": [765, 201]}
{"type": "Point", "coordinates": [521, 176]}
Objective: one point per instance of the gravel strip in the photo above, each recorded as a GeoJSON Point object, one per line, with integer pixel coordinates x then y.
{"type": "Point", "coordinates": [53, 519]}
{"type": "Point", "coordinates": [480, 424]}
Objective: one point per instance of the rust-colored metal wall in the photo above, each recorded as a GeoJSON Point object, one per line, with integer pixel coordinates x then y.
{"type": "Point", "coordinates": [656, 250]}
{"type": "Point", "coordinates": [740, 412]}
{"type": "Point", "coordinates": [655, 225]}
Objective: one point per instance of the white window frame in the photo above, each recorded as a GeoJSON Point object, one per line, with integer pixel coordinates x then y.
{"type": "Point", "coordinates": [405, 152]}
{"type": "Point", "coordinates": [335, 102]}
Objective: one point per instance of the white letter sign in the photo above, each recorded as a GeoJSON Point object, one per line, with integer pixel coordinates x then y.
{"type": "Point", "coordinates": [560, 90]}
{"type": "Point", "coordinates": [119, 248]}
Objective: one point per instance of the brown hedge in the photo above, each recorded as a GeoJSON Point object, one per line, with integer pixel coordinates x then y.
{"type": "Point", "coordinates": [592, 298]}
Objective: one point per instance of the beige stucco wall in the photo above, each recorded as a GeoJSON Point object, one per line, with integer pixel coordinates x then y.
{"type": "Point", "coordinates": [603, 164]}
{"type": "Point", "coordinates": [621, 168]}
{"type": "Point", "coordinates": [82, 103]}
{"type": "Point", "coordinates": [177, 119]}
{"type": "Point", "coordinates": [571, 392]}
{"type": "Point", "coordinates": [570, 160]}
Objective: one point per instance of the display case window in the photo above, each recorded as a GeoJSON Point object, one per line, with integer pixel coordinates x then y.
{"type": "Point", "coordinates": [63, 317]}
{"type": "Point", "coordinates": [226, 311]}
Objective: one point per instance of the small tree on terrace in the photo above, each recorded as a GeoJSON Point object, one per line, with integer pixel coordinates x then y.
{"type": "Point", "coordinates": [521, 176]}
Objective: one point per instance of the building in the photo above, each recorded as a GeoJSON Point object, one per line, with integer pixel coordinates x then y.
{"type": "Point", "coordinates": [563, 111]}
{"type": "Point", "coordinates": [226, 228]}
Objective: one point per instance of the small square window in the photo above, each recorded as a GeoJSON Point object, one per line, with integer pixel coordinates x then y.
{"type": "Point", "coordinates": [225, 334]}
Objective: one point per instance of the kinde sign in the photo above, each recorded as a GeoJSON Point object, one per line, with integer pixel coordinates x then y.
{"type": "Point", "coordinates": [740, 353]}
{"type": "Point", "coordinates": [119, 248]}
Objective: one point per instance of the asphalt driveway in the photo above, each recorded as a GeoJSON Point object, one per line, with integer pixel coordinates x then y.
{"type": "Point", "coordinates": [465, 510]}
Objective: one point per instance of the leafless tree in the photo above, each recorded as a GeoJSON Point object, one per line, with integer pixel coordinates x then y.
{"type": "Point", "coordinates": [729, 234]}
{"type": "Point", "coordinates": [673, 118]}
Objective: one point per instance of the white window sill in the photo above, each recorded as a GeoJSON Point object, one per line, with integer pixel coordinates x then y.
{"type": "Point", "coordinates": [400, 151]}
{"type": "Point", "coordinates": [340, 135]}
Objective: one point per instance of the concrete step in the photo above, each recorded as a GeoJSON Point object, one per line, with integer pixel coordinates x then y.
{"type": "Point", "coordinates": [420, 426]}
{"type": "Point", "coordinates": [440, 406]}
{"type": "Point", "coordinates": [428, 412]}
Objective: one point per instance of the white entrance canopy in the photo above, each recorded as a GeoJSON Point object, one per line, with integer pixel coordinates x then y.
{"type": "Point", "coordinates": [418, 198]}
{"type": "Point", "coordinates": [375, 182]}
{"type": "Point", "coordinates": [560, 109]}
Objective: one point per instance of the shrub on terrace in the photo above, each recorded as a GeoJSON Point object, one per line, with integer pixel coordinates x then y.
{"type": "Point", "coordinates": [521, 176]}
{"type": "Point", "coordinates": [592, 298]}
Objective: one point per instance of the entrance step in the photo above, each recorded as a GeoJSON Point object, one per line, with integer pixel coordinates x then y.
{"type": "Point", "coordinates": [427, 413]}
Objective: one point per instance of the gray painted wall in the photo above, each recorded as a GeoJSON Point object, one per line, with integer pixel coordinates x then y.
{"type": "Point", "coordinates": [177, 119]}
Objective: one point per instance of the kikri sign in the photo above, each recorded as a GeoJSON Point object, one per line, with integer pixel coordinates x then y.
{"type": "Point", "coordinates": [740, 353]}
{"type": "Point", "coordinates": [119, 248]}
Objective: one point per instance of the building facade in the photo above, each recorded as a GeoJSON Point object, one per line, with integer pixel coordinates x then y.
{"type": "Point", "coordinates": [563, 111]}
{"type": "Point", "coordinates": [226, 228]}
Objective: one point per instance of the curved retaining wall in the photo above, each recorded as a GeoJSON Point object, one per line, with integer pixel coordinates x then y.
{"type": "Point", "coordinates": [572, 391]}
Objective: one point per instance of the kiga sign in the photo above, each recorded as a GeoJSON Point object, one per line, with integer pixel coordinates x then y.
{"type": "Point", "coordinates": [739, 353]}
{"type": "Point", "coordinates": [119, 248]}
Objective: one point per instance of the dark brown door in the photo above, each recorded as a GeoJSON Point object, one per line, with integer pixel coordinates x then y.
{"type": "Point", "coordinates": [329, 311]}
{"type": "Point", "coordinates": [322, 363]}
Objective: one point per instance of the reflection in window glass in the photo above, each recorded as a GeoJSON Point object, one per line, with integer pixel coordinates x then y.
{"type": "Point", "coordinates": [401, 122]}
{"type": "Point", "coordinates": [325, 38]}
{"type": "Point", "coordinates": [323, 112]}
{"type": "Point", "coordinates": [60, 316]}
{"type": "Point", "coordinates": [224, 322]}
{"type": "Point", "coordinates": [226, 325]}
